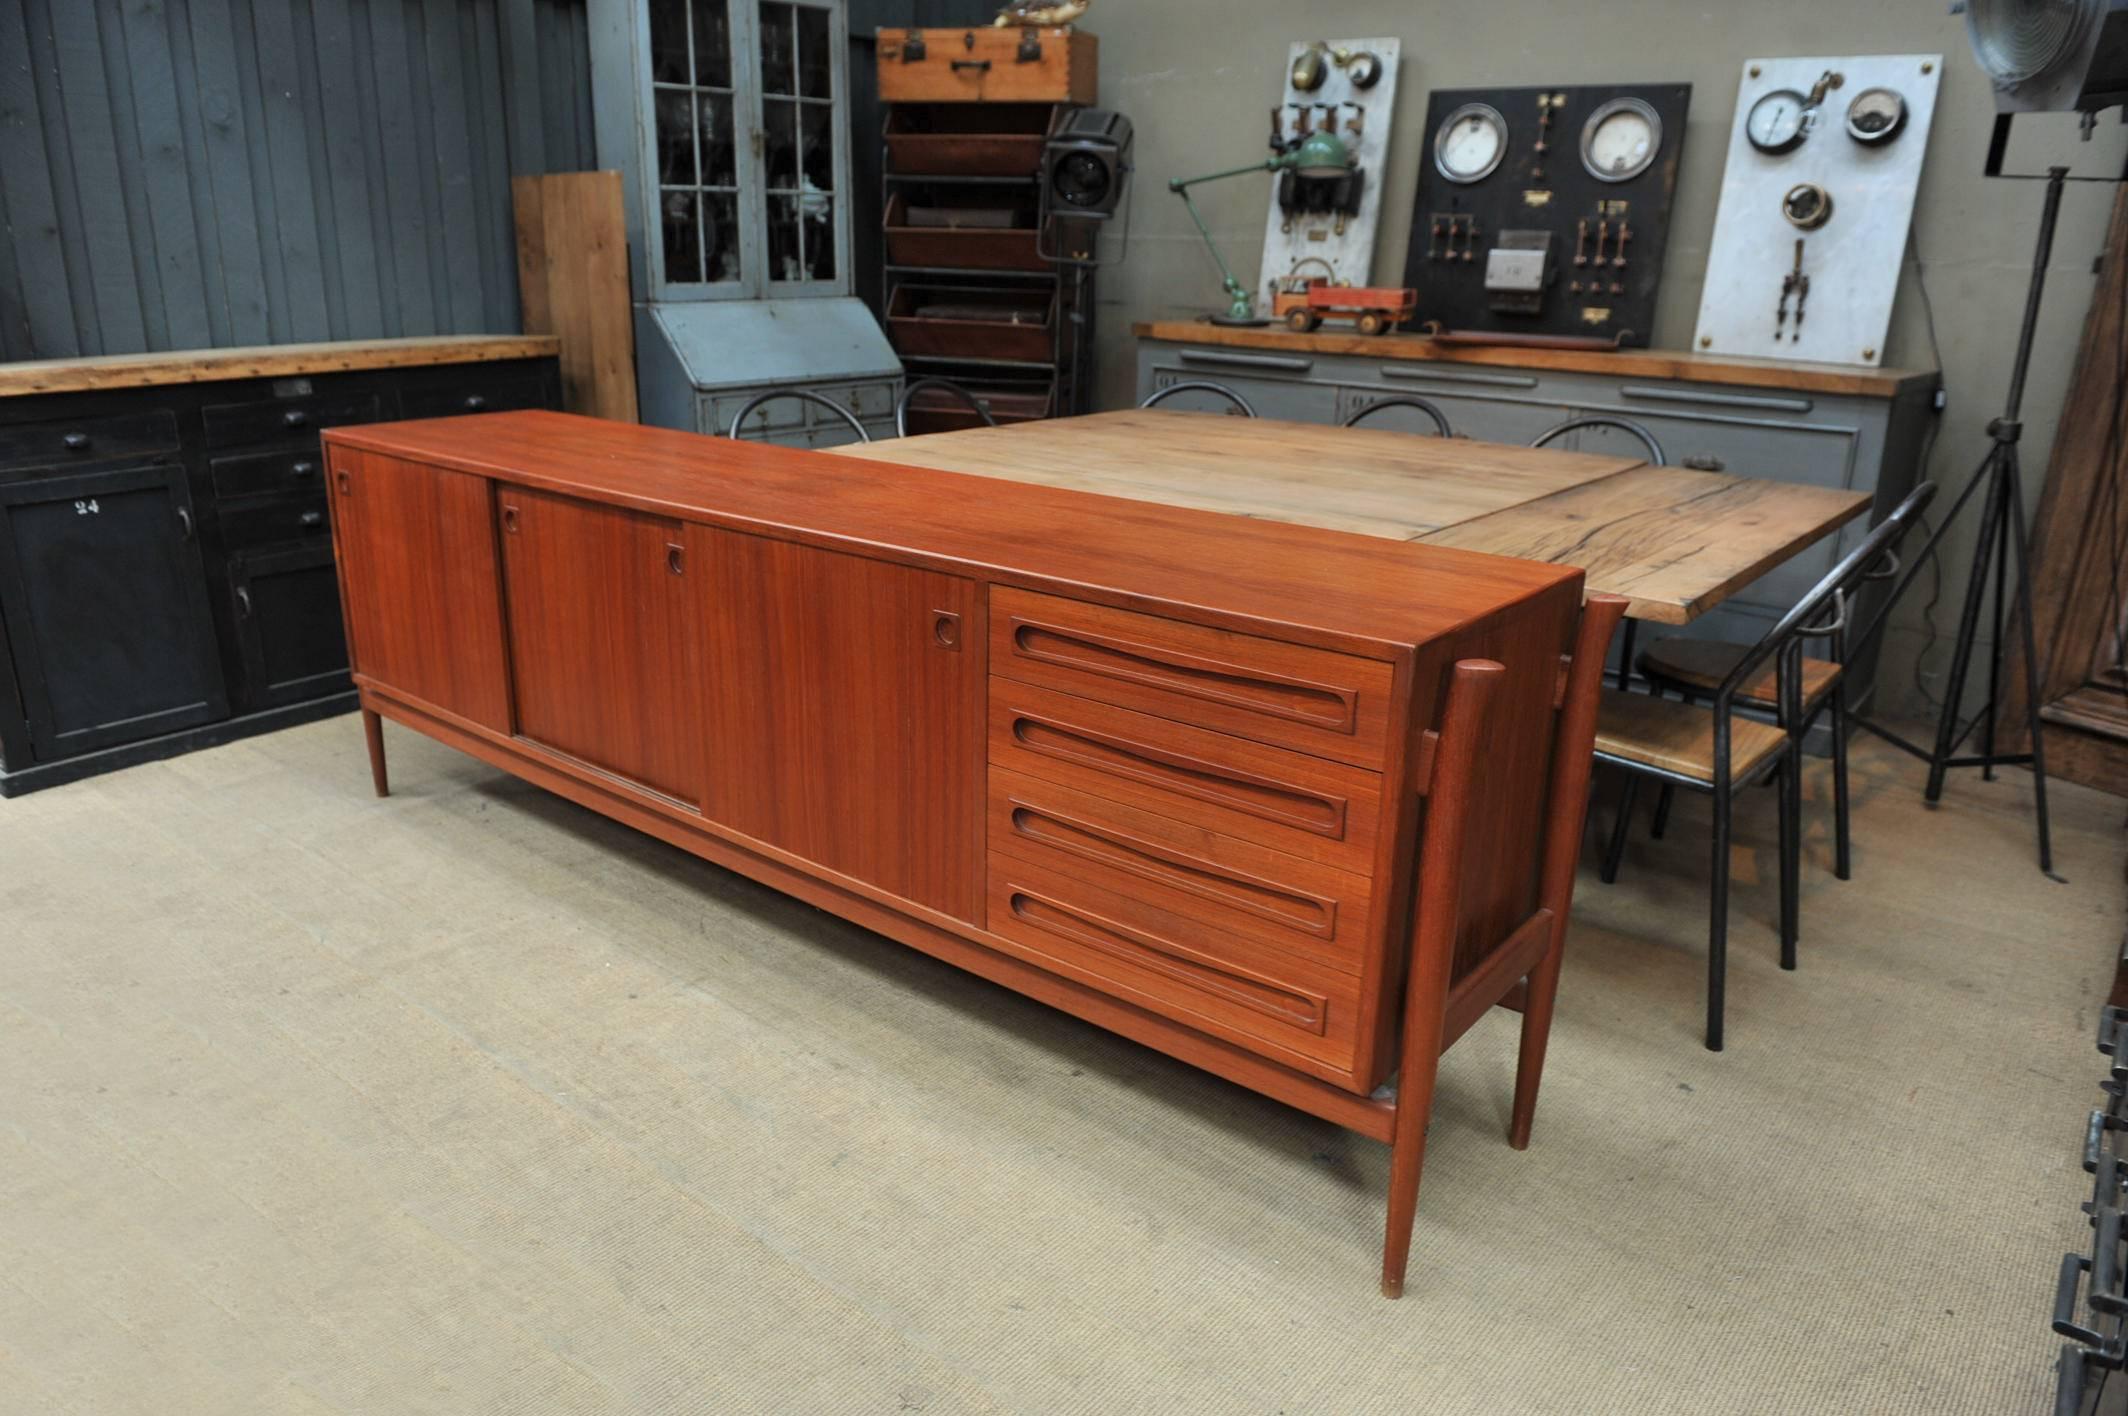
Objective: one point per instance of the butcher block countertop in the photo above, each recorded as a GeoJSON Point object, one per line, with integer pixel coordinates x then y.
{"type": "Point", "coordinates": [266, 361]}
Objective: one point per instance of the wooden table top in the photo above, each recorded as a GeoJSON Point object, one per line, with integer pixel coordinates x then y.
{"type": "Point", "coordinates": [266, 361]}
{"type": "Point", "coordinates": [1674, 541]}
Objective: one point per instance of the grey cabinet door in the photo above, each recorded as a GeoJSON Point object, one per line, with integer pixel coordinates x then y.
{"type": "Point", "coordinates": [106, 605]}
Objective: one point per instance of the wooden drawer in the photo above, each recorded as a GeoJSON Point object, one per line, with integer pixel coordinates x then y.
{"type": "Point", "coordinates": [1305, 806]}
{"type": "Point", "coordinates": [1010, 245]}
{"type": "Point", "coordinates": [956, 140]}
{"type": "Point", "coordinates": [272, 522]}
{"type": "Point", "coordinates": [988, 65]}
{"type": "Point", "coordinates": [1296, 906]}
{"type": "Point", "coordinates": [1103, 936]}
{"type": "Point", "coordinates": [1313, 700]}
{"type": "Point", "coordinates": [234, 424]}
{"type": "Point", "coordinates": [973, 322]}
{"type": "Point", "coordinates": [79, 440]}
{"type": "Point", "coordinates": [256, 474]}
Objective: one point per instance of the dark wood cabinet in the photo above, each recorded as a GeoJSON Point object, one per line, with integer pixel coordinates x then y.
{"type": "Point", "coordinates": [240, 628]}
{"type": "Point", "coordinates": [846, 691]}
{"type": "Point", "coordinates": [106, 604]}
{"type": "Point", "coordinates": [601, 656]}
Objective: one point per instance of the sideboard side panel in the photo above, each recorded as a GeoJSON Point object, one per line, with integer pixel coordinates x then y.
{"type": "Point", "coordinates": [846, 712]}
{"type": "Point", "coordinates": [418, 573]}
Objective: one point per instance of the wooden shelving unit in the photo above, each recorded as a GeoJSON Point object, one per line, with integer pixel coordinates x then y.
{"type": "Point", "coordinates": [969, 295]}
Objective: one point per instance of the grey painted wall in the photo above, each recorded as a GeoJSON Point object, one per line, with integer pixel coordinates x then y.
{"type": "Point", "coordinates": [188, 173]}
{"type": "Point", "coordinates": [1197, 75]}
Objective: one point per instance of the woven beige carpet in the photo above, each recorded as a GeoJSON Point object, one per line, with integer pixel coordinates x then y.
{"type": "Point", "coordinates": [469, 1101]}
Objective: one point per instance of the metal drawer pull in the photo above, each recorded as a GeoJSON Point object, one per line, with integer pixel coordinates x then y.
{"type": "Point", "coordinates": [979, 65]}
{"type": "Point", "coordinates": [1405, 371]}
{"type": "Point", "coordinates": [75, 442]}
{"type": "Point", "coordinates": [296, 418]}
{"type": "Point", "coordinates": [1246, 361]}
{"type": "Point", "coordinates": [312, 520]}
{"type": "Point", "coordinates": [474, 402]}
{"type": "Point", "coordinates": [1715, 400]}
{"type": "Point", "coordinates": [184, 520]}
{"type": "Point", "coordinates": [243, 602]}
{"type": "Point", "coordinates": [304, 468]}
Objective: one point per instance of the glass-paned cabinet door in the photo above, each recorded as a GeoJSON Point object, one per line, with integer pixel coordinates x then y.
{"type": "Point", "coordinates": [798, 55]}
{"type": "Point", "coordinates": [697, 123]}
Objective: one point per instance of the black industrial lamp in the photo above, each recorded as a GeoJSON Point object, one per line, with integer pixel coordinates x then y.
{"type": "Point", "coordinates": [1085, 168]}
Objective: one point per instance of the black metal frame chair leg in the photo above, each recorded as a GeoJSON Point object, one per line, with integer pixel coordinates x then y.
{"type": "Point", "coordinates": [1662, 811]}
{"type": "Point", "coordinates": [1842, 852]}
{"type": "Point", "coordinates": [1718, 915]}
{"type": "Point", "coordinates": [1614, 850]}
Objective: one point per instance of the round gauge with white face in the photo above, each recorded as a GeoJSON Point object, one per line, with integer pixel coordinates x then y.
{"type": "Point", "coordinates": [1778, 122]}
{"type": "Point", "coordinates": [1876, 116]}
{"type": "Point", "coordinates": [1470, 143]}
{"type": "Point", "coordinates": [1621, 139]}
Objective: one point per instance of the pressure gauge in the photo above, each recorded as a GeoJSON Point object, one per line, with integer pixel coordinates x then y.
{"type": "Point", "coordinates": [1620, 140]}
{"type": "Point", "coordinates": [1876, 116]}
{"type": "Point", "coordinates": [1778, 122]}
{"type": "Point", "coordinates": [1470, 143]}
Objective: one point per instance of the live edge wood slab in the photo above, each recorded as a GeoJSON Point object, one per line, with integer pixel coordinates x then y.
{"type": "Point", "coordinates": [1204, 780]}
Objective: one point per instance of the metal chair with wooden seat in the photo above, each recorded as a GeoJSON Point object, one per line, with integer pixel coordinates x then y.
{"type": "Point", "coordinates": [1241, 405]}
{"type": "Point", "coordinates": [1713, 750]}
{"type": "Point", "coordinates": [804, 395]}
{"type": "Point", "coordinates": [946, 386]}
{"type": "Point", "coordinates": [1403, 400]}
{"type": "Point", "coordinates": [1694, 668]}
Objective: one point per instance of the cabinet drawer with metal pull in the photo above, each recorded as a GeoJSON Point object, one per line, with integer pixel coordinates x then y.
{"type": "Point", "coordinates": [263, 523]}
{"type": "Point", "coordinates": [62, 443]}
{"type": "Point", "coordinates": [489, 396]}
{"type": "Point", "coordinates": [234, 424]}
{"type": "Point", "coordinates": [257, 474]}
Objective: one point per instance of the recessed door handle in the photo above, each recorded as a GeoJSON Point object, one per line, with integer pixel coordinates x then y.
{"type": "Point", "coordinates": [674, 554]}
{"type": "Point", "coordinates": [344, 482]}
{"type": "Point", "coordinates": [946, 629]}
{"type": "Point", "coordinates": [509, 520]}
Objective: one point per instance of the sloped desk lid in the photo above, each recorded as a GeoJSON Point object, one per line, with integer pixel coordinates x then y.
{"type": "Point", "coordinates": [733, 343]}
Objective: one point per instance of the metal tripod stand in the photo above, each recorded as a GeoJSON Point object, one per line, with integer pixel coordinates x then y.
{"type": "Point", "coordinates": [2000, 551]}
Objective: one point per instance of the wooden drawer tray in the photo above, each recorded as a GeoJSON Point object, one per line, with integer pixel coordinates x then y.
{"type": "Point", "coordinates": [966, 247]}
{"type": "Point", "coordinates": [1303, 1014]}
{"type": "Point", "coordinates": [1332, 705]}
{"type": "Point", "coordinates": [960, 140]}
{"type": "Point", "coordinates": [1234, 888]}
{"type": "Point", "coordinates": [1305, 806]}
{"type": "Point", "coordinates": [974, 323]}
{"type": "Point", "coordinates": [988, 65]}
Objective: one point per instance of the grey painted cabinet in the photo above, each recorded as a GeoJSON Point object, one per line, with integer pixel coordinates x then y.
{"type": "Point", "coordinates": [1859, 429]}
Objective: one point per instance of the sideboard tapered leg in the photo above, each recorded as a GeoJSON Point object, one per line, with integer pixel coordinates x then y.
{"type": "Point", "coordinates": [373, 733]}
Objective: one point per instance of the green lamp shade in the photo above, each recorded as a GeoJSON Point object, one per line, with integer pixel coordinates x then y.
{"type": "Point", "coordinates": [1321, 154]}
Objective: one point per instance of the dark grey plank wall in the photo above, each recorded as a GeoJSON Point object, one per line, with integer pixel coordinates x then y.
{"type": "Point", "coordinates": [181, 174]}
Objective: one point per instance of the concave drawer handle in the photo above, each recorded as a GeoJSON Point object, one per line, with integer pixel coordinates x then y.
{"type": "Point", "coordinates": [1246, 361]}
{"type": "Point", "coordinates": [1275, 695]}
{"type": "Point", "coordinates": [1175, 772]}
{"type": "Point", "coordinates": [1715, 400]}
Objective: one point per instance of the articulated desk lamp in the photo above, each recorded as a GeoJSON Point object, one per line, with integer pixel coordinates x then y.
{"type": "Point", "coordinates": [1321, 154]}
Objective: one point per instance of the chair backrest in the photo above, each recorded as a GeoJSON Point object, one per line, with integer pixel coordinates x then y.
{"type": "Point", "coordinates": [948, 386]}
{"type": "Point", "coordinates": [803, 394]}
{"type": "Point", "coordinates": [1201, 386]}
{"type": "Point", "coordinates": [1521, 834]}
{"type": "Point", "coordinates": [1625, 425]}
{"type": "Point", "coordinates": [1403, 400]}
{"type": "Point", "coordinates": [1808, 619]}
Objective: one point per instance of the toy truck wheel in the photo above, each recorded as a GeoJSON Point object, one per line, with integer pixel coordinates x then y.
{"type": "Point", "coordinates": [1373, 322]}
{"type": "Point", "coordinates": [1302, 321]}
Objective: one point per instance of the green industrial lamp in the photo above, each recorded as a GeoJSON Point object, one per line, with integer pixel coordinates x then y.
{"type": "Point", "coordinates": [1321, 153]}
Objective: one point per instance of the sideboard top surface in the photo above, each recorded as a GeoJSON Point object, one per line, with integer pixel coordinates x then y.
{"type": "Point", "coordinates": [185, 366]}
{"type": "Point", "coordinates": [1681, 365]}
{"type": "Point", "coordinates": [1356, 593]}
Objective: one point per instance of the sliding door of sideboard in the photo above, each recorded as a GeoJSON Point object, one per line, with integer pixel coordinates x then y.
{"type": "Point", "coordinates": [846, 713]}
{"type": "Point", "coordinates": [416, 548]}
{"type": "Point", "coordinates": [602, 638]}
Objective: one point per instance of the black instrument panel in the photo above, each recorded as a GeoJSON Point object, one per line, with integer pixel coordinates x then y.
{"type": "Point", "coordinates": [1544, 211]}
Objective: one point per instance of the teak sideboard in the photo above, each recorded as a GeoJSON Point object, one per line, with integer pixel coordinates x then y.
{"type": "Point", "coordinates": [1179, 773]}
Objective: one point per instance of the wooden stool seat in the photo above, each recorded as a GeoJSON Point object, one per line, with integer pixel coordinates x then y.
{"type": "Point", "coordinates": [1702, 664]}
{"type": "Point", "coordinates": [1679, 737]}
